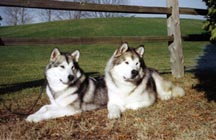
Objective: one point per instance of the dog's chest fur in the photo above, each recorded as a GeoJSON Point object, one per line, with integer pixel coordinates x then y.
{"type": "Point", "coordinates": [130, 91]}
{"type": "Point", "coordinates": [65, 93]}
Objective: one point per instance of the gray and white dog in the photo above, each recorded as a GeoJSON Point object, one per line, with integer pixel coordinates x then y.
{"type": "Point", "coordinates": [69, 89]}
{"type": "Point", "coordinates": [131, 84]}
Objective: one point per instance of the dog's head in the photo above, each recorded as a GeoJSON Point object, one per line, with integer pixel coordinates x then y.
{"type": "Point", "coordinates": [63, 69]}
{"type": "Point", "coordinates": [128, 64]}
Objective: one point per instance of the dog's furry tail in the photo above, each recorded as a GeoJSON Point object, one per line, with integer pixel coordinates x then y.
{"type": "Point", "coordinates": [166, 89]}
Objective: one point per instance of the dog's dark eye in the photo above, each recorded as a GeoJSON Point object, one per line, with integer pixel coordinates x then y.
{"type": "Point", "coordinates": [137, 63]}
{"type": "Point", "coordinates": [127, 62]}
{"type": "Point", "coordinates": [62, 67]}
{"type": "Point", "coordinates": [73, 68]}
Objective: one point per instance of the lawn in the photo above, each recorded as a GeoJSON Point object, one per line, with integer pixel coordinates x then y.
{"type": "Point", "coordinates": [22, 71]}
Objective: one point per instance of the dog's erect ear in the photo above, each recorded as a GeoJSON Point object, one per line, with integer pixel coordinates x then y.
{"type": "Point", "coordinates": [55, 53]}
{"type": "Point", "coordinates": [121, 50]}
{"type": "Point", "coordinates": [140, 50]}
{"type": "Point", "coordinates": [76, 55]}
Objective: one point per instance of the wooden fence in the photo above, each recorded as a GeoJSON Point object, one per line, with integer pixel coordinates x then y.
{"type": "Point", "coordinates": [173, 25]}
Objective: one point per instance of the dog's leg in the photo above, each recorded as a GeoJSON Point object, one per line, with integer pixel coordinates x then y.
{"type": "Point", "coordinates": [138, 105]}
{"type": "Point", "coordinates": [145, 100]}
{"type": "Point", "coordinates": [63, 102]}
{"type": "Point", "coordinates": [114, 111]}
{"type": "Point", "coordinates": [165, 89]}
{"type": "Point", "coordinates": [51, 113]}
{"type": "Point", "coordinates": [37, 114]}
{"type": "Point", "coordinates": [58, 113]}
{"type": "Point", "coordinates": [50, 95]}
{"type": "Point", "coordinates": [89, 106]}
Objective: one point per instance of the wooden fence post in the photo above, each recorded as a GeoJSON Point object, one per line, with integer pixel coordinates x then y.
{"type": "Point", "coordinates": [175, 46]}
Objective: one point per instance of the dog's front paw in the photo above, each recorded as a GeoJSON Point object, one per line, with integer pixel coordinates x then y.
{"type": "Point", "coordinates": [138, 105]}
{"type": "Point", "coordinates": [114, 115]}
{"type": "Point", "coordinates": [133, 106]}
{"type": "Point", "coordinates": [166, 96]}
{"type": "Point", "coordinates": [114, 112]}
{"type": "Point", "coordinates": [33, 118]}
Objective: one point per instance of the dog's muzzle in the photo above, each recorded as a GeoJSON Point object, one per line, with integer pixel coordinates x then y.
{"type": "Point", "coordinates": [134, 73]}
{"type": "Point", "coordinates": [70, 77]}
{"type": "Point", "coordinates": [70, 80]}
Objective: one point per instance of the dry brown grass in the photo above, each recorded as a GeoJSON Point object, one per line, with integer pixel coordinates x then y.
{"type": "Point", "coordinates": [191, 117]}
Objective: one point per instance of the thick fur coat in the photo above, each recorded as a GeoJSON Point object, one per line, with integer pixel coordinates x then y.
{"type": "Point", "coordinates": [131, 84]}
{"type": "Point", "coordinates": [69, 89]}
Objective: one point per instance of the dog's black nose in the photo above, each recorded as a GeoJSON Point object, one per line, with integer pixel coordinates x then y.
{"type": "Point", "coordinates": [70, 77]}
{"type": "Point", "coordinates": [134, 73]}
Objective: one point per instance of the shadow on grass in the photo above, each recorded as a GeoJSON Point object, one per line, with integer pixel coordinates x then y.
{"type": "Point", "coordinates": [206, 72]}
{"type": "Point", "coordinates": [197, 37]}
{"type": "Point", "coordinates": [11, 88]}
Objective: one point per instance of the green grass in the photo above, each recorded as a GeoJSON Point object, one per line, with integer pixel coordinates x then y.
{"type": "Point", "coordinates": [26, 63]}
{"type": "Point", "coordinates": [190, 117]}
{"type": "Point", "coordinates": [100, 27]}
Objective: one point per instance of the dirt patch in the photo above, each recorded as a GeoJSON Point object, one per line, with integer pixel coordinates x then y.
{"type": "Point", "coordinates": [189, 117]}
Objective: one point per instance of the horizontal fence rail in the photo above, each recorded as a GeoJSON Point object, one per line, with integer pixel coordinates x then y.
{"type": "Point", "coordinates": [64, 5]}
{"type": "Point", "coordinates": [192, 11]}
{"type": "Point", "coordinates": [82, 40]}
{"type": "Point", "coordinates": [79, 6]}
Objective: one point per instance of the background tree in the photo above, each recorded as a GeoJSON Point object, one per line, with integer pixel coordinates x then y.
{"type": "Point", "coordinates": [47, 15]}
{"type": "Point", "coordinates": [0, 19]}
{"type": "Point", "coordinates": [25, 16]}
{"type": "Point", "coordinates": [107, 14]}
{"type": "Point", "coordinates": [210, 24]}
{"type": "Point", "coordinates": [60, 15]}
{"type": "Point", "coordinates": [16, 16]}
{"type": "Point", "coordinates": [12, 15]}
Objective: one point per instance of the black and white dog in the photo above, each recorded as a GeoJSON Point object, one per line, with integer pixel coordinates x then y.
{"type": "Point", "coordinates": [70, 91]}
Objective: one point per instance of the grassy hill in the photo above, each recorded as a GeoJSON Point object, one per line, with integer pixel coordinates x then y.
{"type": "Point", "coordinates": [33, 59]}
{"type": "Point", "coordinates": [101, 27]}
{"type": "Point", "coordinates": [21, 68]}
